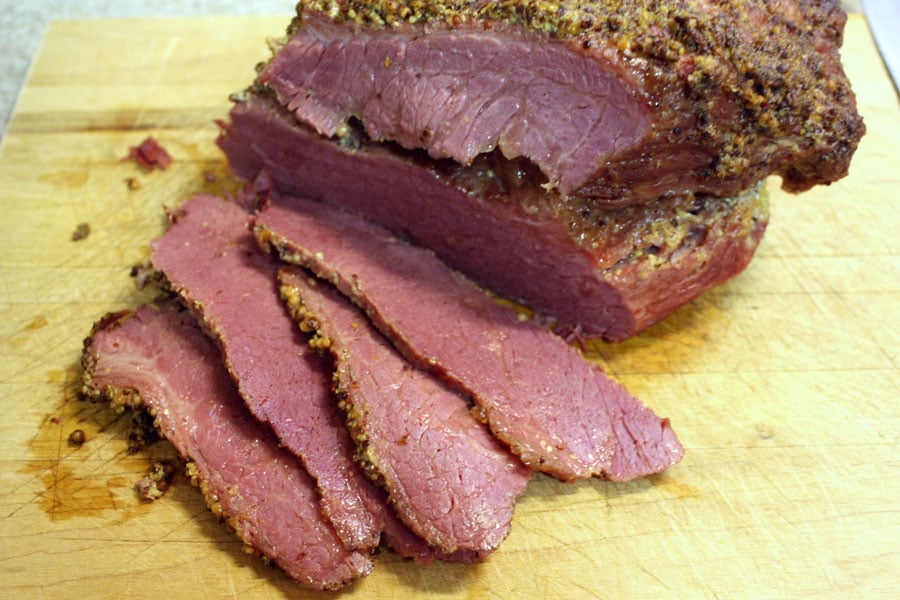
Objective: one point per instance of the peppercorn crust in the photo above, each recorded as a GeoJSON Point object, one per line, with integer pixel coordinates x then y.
{"type": "Point", "coordinates": [775, 59]}
{"type": "Point", "coordinates": [309, 323]}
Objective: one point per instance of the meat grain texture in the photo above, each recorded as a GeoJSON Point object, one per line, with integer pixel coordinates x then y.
{"type": "Point", "coordinates": [620, 101]}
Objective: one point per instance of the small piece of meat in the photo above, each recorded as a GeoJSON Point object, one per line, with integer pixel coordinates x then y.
{"type": "Point", "coordinates": [448, 479]}
{"type": "Point", "coordinates": [159, 359]}
{"type": "Point", "coordinates": [620, 102]}
{"type": "Point", "coordinates": [150, 154]}
{"type": "Point", "coordinates": [559, 413]}
{"type": "Point", "coordinates": [211, 260]}
{"type": "Point", "coordinates": [607, 273]}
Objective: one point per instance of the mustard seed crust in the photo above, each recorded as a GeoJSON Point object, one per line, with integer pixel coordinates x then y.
{"type": "Point", "coordinates": [309, 323]}
{"type": "Point", "coordinates": [776, 60]}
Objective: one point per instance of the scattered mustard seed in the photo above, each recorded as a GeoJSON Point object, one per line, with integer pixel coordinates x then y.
{"type": "Point", "coordinates": [77, 438]}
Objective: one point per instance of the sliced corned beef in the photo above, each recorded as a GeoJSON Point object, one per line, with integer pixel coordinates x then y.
{"type": "Point", "coordinates": [210, 258]}
{"type": "Point", "coordinates": [557, 412]}
{"type": "Point", "coordinates": [611, 100]}
{"type": "Point", "coordinates": [448, 479]}
{"type": "Point", "coordinates": [160, 359]}
{"type": "Point", "coordinates": [608, 273]}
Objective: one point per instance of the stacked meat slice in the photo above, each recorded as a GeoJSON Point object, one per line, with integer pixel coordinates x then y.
{"type": "Point", "coordinates": [446, 486]}
{"type": "Point", "coordinates": [211, 260]}
{"type": "Point", "coordinates": [564, 418]}
{"type": "Point", "coordinates": [447, 477]}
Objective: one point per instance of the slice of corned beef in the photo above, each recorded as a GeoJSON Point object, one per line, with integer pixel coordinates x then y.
{"type": "Point", "coordinates": [448, 479]}
{"type": "Point", "coordinates": [210, 258]}
{"type": "Point", "coordinates": [608, 273]}
{"type": "Point", "coordinates": [557, 412]}
{"type": "Point", "coordinates": [619, 101]}
{"type": "Point", "coordinates": [159, 359]}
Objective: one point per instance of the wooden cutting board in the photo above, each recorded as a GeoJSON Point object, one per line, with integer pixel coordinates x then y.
{"type": "Point", "coordinates": [782, 384]}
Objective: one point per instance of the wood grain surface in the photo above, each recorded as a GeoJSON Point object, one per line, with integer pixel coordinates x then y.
{"type": "Point", "coordinates": [782, 384]}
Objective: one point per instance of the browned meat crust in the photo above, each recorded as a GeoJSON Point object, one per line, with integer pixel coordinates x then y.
{"type": "Point", "coordinates": [761, 78]}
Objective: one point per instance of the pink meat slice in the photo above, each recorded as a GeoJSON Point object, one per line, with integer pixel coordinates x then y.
{"type": "Point", "coordinates": [559, 413]}
{"type": "Point", "coordinates": [446, 476]}
{"type": "Point", "coordinates": [261, 489]}
{"type": "Point", "coordinates": [619, 101]}
{"type": "Point", "coordinates": [461, 92]}
{"type": "Point", "coordinates": [210, 258]}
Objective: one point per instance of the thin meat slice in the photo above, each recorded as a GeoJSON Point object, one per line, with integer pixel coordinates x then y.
{"type": "Point", "coordinates": [559, 413]}
{"type": "Point", "coordinates": [618, 101]}
{"type": "Point", "coordinates": [460, 91]}
{"type": "Point", "coordinates": [448, 479]}
{"type": "Point", "coordinates": [159, 359]}
{"type": "Point", "coordinates": [210, 258]}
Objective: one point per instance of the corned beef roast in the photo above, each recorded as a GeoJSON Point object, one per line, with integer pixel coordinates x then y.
{"type": "Point", "coordinates": [598, 161]}
{"type": "Point", "coordinates": [601, 162]}
{"type": "Point", "coordinates": [557, 412]}
{"type": "Point", "coordinates": [158, 359]}
{"type": "Point", "coordinates": [611, 273]}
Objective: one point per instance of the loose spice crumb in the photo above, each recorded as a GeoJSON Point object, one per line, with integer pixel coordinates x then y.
{"type": "Point", "coordinates": [132, 183]}
{"type": "Point", "coordinates": [82, 230]}
{"type": "Point", "coordinates": [157, 481]}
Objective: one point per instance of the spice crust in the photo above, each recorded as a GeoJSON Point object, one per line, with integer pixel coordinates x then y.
{"type": "Point", "coordinates": [769, 55]}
